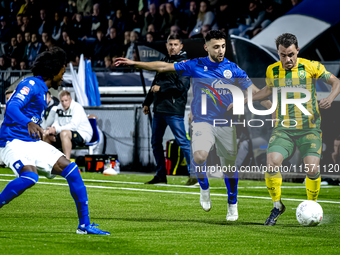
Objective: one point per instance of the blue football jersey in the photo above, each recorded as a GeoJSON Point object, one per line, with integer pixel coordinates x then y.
{"type": "Point", "coordinates": [205, 76]}
{"type": "Point", "coordinates": [27, 104]}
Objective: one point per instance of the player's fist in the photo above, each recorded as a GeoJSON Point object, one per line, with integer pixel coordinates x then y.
{"type": "Point", "coordinates": [155, 88]}
{"type": "Point", "coordinates": [146, 109]}
{"type": "Point", "coordinates": [35, 131]}
{"type": "Point", "coordinates": [325, 103]}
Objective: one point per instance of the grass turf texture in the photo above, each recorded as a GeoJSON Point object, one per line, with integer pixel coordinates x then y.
{"type": "Point", "coordinates": [43, 220]}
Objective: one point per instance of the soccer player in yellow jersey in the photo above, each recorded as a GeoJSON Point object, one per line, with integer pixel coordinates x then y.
{"type": "Point", "coordinates": [295, 129]}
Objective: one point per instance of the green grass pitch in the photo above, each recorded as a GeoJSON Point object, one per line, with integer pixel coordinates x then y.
{"type": "Point", "coordinates": [162, 219]}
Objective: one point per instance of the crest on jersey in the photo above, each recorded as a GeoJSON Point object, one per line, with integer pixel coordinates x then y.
{"type": "Point", "coordinates": [227, 74]}
{"type": "Point", "coordinates": [31, 82]}
{"type": "Point", "coordinates": [25, 91]}
{"type": "Point", "coordinates": [302, 74]}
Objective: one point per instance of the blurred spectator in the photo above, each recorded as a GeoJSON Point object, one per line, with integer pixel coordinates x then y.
{"type": "Point", "coordinates": [119, 22]}
{"type": "Point", "coordinates": [70, 7]}
{"type": "Point", "coordinates": [150, 37]}
{"type": "Point", "coordinates": [26, 8]}
{"type": "Point", "coordinates": [69, 46]}
{"type": "Point", "coordinates": [205, 17]}
{"type": "Point", "coordinates": [227, 14]}
{"type": "Point", "coordinates": [27, 37]}
{"type": "Point", "coordinates": [190, 17]}
{"type": "Point", "coordinates": [23, 65]}
{"type": "Point", "coordinates": [171, 18]}
{"type": "Point", "coordinates": [3, 63]}
{"type": "Point", "coordinates": [205, 30]}
{"type": "Point", "coordinates": [47, 40]}
{"type": "Point", "coordinates": [108, 63]}
{"type": "Point", "coordinates": [21, 45]}
{"type": "Point", "coordinates": [65, 25]}
{"type": "Point", "coordinates": [43, 24]}
{"type": "Point", "coordinates": [84, 6]}
{"type": "Point", "coordinates": [136, 22]}
{"type": "Point", "coordinates": [35, 49]}
{"type": "Point", "coordinates": [336, 153]}
{"type": "Point", "coordinates": [74, 60]}
{"type": "Point", "coordinates": [110, 25]}
{"type": "Point", "coordinates": [14, 8]}
{"type": "Point", "coordinates": [133, 41]}
{"type": "Point", "coordinates": [98, 20]}
{"type": "Point", "coordinates": [101, 49]}
{"type": "Point", "coordinates": [162, 11]}
{"type": "Point", "coordinates": [16, 26]}
{"type": "Point", "coordinates": [151, 17]}
{"type": "Point", "coordinates": [79, 26]}
{"type": "Point", "coordinates": [4, 31]}
{"type": "Point", "coordinates": [113, 42]}
{"type": "Point", "coordinates": [175, 30]}
{"type": "Point", "coordinates": [126, 43]}
{"type": "Point", "coordinates": [57, 23]}
{"type": "Point", "coordinates": [14, 65]}
{"type": "Point", "coordinates": [51, 110]}
{"type": "Point", "coordinates": [26, 26]}
{"type": "Point", "coordinates": [12, 50]}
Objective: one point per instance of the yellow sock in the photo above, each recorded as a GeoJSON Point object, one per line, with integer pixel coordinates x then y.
{"type": "Point", "coordinates": [273, 182]}
{"type": "Point", "coordinates": [313, 186]}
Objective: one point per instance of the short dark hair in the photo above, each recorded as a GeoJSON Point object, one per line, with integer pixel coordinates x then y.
{"type": "Point", "coordinates": [286, 40]}
{"type": "Point", "coordinates": [49, 63]}
{"type": "Point", "coordinates": [215, 34]}
{"type": "Point", "coordinates": [174, 37]}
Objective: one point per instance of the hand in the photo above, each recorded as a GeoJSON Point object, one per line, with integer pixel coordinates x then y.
{"type": "Point", "coordinates": [35, 131]}
{"type": "Point", "coordinates": [124, 62]}
{"type": "Point", "coordinates": [190, 116]}
{"type": "Point", "coordinates": [325, 103]}
{"type": "Point", "coordinates": [51, 131]}
{"type": "Point", "coordinates": [230, 107]}
{"type": "Point", "coordinates": [146, 109]}
{"type": "Point", "coordinates": [155, 88]}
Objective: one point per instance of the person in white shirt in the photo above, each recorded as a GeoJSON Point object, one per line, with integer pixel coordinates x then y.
{"type": "Point", "coordinates": [71, 127]}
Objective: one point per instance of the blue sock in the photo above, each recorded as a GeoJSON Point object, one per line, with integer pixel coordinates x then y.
{"type": "Point", "coordinates": [201, 177]}
{"type": "Point", "coordinates": [78, 192]}
{"type": "Point", "coordinates": [17, 187]}
{"type": "Point", "coordinates": [231, 182]}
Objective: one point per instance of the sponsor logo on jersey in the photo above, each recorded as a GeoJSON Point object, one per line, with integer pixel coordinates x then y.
{"type": "Point", "coordinates": [32, 82]}
{"type": "Point", "coordinates": [205, 68]}
{"type": "Point", "coordinates": [20, 96]}
{"type": "Point", "coordinates": [25, 91]}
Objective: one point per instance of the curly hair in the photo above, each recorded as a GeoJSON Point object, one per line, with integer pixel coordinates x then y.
{"type": "Point", "coordinates": [286, 40]}
{"type": "Point", "coordinates": [49, 63]}
{"type": "Point", "coordinates": [215, 34]}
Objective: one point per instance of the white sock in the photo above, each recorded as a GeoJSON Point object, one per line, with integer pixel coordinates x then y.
{"type": "Point", "coordinates": [278, 205]}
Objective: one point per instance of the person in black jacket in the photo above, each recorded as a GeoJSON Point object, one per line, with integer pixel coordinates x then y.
{"type": "Point", "coordinates": [169, 96]}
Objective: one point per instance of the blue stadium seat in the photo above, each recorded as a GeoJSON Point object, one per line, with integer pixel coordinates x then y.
{"type": "Point", "coordinates": [95, 136]}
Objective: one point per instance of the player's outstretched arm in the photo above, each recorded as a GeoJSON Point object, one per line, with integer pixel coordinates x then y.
{"type": "Point", "coordinates": [259, 95]}
{"type": "Point", "coordinates": [158, 66]}
{"type": "Point", "coordinates": [326, 103]}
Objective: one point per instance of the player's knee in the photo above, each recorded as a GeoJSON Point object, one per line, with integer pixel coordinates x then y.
{"type": "Point", "coordinates": [274, 160]}
{"type": "Point", "coordinates": [65, 134]}
{"type": "Point", "coordinates": [200, 156]}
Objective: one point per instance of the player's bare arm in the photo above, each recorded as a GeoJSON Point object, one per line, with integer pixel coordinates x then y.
{"type": "Point", "coordinates": [326, 103]}
{"type": "Point", "coordinates": [158, 66]}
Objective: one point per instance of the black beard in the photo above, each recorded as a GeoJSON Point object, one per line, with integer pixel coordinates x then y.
{"type": "Point", "coordinates": [55, 85]}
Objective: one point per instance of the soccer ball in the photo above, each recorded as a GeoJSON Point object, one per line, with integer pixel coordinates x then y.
{"type": "Point", "coordinates": [309, 213]}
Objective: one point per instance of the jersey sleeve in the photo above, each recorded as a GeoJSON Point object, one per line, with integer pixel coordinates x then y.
{"type": "Point", "coordinates": [20, 98]}
{"type": "Point", "coordinates": [243, 79]}
{"type": "Point", "coordinates": [185, 67]}
{"type": "Point", "coordinates": [269, 78]}
{"type": "Point", "coordinates": [319, 71]}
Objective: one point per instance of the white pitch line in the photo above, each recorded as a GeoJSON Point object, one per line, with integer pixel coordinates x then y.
{"type": "Point", "coordinates": [177, 192]}
{"type": "Point", "coordinates": [174, 185]}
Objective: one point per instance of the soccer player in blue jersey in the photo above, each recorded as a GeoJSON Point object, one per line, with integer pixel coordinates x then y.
{"type": "Point", "coordinates": [207, 73]}
{"type": "Point", "coordinates": [21, 147]}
